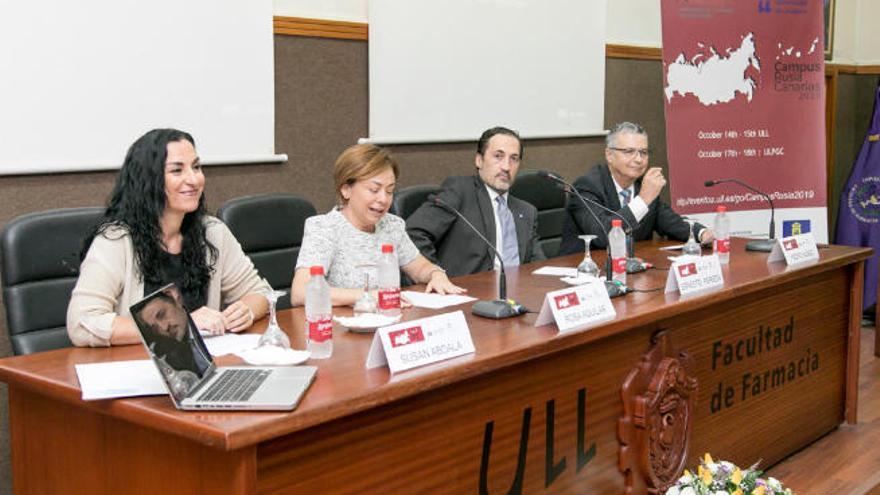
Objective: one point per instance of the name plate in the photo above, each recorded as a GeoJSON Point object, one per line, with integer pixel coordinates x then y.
{"type": "Point", "coordinates": [411, 344]}
{"type": "Point", "coordinates": [576, 307]}
{"type": "Point", "coordinates": [690, 274]}
{"type": "Point", "coordinates": [795, 249]}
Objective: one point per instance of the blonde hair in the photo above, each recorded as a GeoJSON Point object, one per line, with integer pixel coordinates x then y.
{"type": "Point", "coordinates": [359, 162]}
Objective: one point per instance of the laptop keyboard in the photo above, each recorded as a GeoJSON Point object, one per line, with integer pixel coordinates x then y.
{"type": "Point", "coordinates": [235, 385]}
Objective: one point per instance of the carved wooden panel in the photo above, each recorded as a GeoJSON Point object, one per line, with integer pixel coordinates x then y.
{"type": "Point", "coordinates": [658, 400]}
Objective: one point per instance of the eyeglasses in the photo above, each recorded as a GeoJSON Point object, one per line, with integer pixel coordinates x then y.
{"type": "Point", "coordinates": [631, 152]}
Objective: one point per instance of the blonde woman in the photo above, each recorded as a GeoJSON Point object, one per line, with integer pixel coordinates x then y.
{"type": "Point", "coordinates": [346, 241]}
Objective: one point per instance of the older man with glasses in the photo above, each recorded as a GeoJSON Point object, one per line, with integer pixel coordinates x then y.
{"type": "Point", "coordinates": [627, 185]}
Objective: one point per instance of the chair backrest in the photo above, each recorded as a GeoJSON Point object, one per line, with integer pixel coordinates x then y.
{"type": "Point", "coordinates": [408, 199]}
{"type": "Point", "coordinates": [40, 266]}
{"type": "Point", "coordinates": [550, 203]}
{"type": "Point", "coordinates": [269, 228]}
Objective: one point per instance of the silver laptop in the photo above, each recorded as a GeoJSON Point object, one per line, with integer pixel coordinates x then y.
{"type": "Point", "coordinates": [189, 372]}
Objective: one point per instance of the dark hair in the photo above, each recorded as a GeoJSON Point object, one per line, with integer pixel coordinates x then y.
{"type": "Point", "coordinates": [489, 133]}
{"type": "Point", "coordinates": [148, 327]}
{"type": "Point", "coordinates": [136, 205]}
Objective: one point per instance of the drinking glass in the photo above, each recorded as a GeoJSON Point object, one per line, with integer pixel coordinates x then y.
{"type": "Point", "coordinates": [274, 335]}
{"type": "Point", "coordinates": [366, 304]}
{"type": "Point", "coordinates": [691, 247]}
{"type": "Point", "coordinates": [588, 267]}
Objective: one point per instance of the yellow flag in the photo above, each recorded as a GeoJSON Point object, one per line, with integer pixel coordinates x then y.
{"type": "Point", "coordinates": [758, 491]}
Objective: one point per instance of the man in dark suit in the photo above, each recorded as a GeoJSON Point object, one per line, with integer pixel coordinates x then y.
{"type": "Point", "coordinates": [628, 186]}
{"type": "Point", "coordinates": [510, 224]}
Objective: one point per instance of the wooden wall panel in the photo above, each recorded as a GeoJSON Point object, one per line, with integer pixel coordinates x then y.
{"type": "Point", "coordinates": [633, 52]}
{"type": "Point", "coordinates": [634, 92]}
{"type": "Point", "coordinates": [855, 102]}
{"type": "Point", "coordinates": [319, 28]}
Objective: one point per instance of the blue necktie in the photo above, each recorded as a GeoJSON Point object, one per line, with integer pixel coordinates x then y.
{"type": "Point", "coordinates": [624, 194]}
{"type": "Point", "coordinates": [509, 248]}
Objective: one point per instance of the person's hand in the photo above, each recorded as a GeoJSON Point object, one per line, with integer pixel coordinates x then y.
{"type": "Point", "coordinates": [209, 320]}
{"type": "Point", "coordinates": [238, 316]}
{"type": "Point", "coordinates": [653, 183]}
{"type": "Point", "coordinates": [440, 284]}
{"type": "Point", "coordinates": [707, 236]}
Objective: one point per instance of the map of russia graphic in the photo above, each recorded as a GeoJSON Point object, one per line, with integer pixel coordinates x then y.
{"type": "Point", "coordinates": [744, 97]}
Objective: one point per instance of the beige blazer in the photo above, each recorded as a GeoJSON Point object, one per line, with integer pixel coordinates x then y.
{"type": "Point", "coordinates": [109, 282]}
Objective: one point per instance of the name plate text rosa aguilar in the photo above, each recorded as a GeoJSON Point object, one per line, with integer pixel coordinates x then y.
{"type": "Point", "coordinates": [411, 344]}
{"type": "Point", "coordinates": [576, 307]}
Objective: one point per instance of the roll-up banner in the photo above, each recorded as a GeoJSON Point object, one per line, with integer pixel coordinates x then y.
{"type": "Point", "coordinates": [744, 95]}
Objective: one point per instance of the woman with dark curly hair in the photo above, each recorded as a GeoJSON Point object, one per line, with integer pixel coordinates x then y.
{"type": "Point", "coordinates": [156, 230]}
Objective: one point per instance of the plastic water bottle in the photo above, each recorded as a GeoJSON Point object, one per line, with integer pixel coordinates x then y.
{"type": "Point", "coordinates": [617, 246]}
{"type": "Point", "coordinates": [319, 315]}
{"type": "Point", "coordinates": [721, 245]}
{"type": "Point", "coordinates": [389, 282]}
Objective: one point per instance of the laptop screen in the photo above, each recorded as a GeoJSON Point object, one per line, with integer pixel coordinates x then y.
{"type": "Point", "coordinates": [173, 340]}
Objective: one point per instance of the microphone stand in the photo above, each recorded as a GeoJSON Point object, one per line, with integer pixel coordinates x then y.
{"type": "Point", "coordinates": [499, 308]}
{"type": "Point", "coordinates": [762, 245]}
{"type": "Point", "coordinates": [633, 264]}
{"type": "Point", "coordinates": [613, 288]}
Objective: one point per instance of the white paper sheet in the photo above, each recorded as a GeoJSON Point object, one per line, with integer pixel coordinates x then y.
{"type": "Point", "coordinates": [119, 379]}
{"type": "Point", "coordinates": [556, 271]}
{"type": "Point", "coordinates": [231, 343]}
{"type": "Point", "coordinates": [435, 301]}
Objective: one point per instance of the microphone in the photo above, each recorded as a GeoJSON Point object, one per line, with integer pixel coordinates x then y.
{"type": "Point", "coordinates": [501, 307]}
{"type": "Point", "coordinates": [573, 190]}
{"type": "Point", "coordinates": [633, 264]}
{"type": "Point", "coordinates": [764, 245]}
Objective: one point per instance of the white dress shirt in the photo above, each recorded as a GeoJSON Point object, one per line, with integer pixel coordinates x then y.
{"type": "Point", "coordinates": [636, 205]}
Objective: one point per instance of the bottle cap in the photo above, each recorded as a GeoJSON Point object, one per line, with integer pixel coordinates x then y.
{"type": "Point", "coordinates": [387, 248]}
{"type": "Point", "coordinates": [616, 222]}
{"type": "Point", "coordinates": [721, 209]}
{"type": "Point", "coordinates": [316, 270]}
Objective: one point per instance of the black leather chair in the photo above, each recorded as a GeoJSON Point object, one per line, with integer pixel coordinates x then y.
{"type": "Point", "coordinates": [269, 228]}
{"type": "Point", "coordinates": [40, 267]}
{"type": "Point", "coordinates": [550, 202]}
{"type": "Point", "coordinates": [408, 199]}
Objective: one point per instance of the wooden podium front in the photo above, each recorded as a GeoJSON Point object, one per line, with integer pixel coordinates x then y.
{"type": "Point", "coordinates": [756, 370]}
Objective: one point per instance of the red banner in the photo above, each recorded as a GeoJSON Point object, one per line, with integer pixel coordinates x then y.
{"type": "Point", "coordinates": [745, 98]}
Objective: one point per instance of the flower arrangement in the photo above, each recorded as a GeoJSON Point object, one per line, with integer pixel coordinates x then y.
{"type": "Point", "coordinates": [724, 478]}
